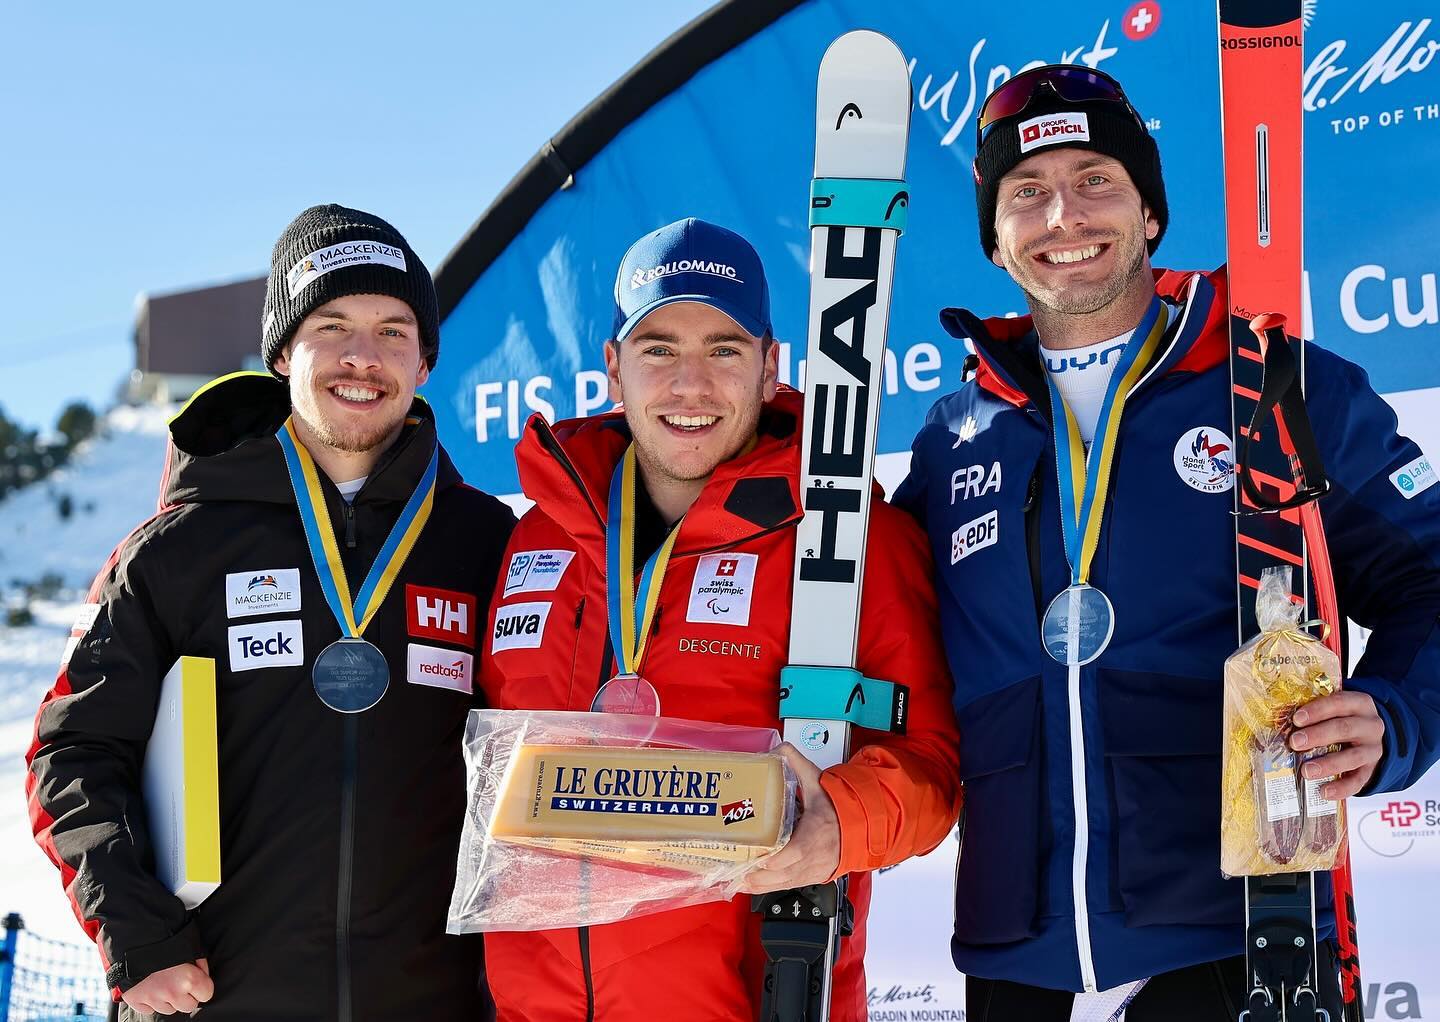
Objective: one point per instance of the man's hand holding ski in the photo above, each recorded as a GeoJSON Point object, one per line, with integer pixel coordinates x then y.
{"type": "Point", "coordinates": [1351, 721]}
{"type": "Point", "coordinates": [813, 851]}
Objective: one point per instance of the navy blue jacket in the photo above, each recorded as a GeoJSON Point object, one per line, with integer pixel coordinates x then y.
{"type": "Point", "coordinates": [983, 483]}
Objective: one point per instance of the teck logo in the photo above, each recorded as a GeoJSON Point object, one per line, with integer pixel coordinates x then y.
{"type": "Point", "coordinates": [267, 644]}
{"type": "Point", "coordinates": [442, 614]}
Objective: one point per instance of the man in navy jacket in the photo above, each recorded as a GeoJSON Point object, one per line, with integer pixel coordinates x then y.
{"type": "Point", "coordinates": [1091, 853]}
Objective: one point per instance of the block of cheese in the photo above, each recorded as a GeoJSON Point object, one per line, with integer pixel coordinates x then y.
{"type": "Point", "coordinates": [181, 782]}
{"type": "Point", "coordinates": [679, 808]}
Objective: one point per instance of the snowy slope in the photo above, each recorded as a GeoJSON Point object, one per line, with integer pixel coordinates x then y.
{"type": "Point", "coordinates": [117, 475]}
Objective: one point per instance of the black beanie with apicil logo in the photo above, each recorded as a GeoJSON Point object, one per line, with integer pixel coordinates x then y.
{"type": "Point", "coordinates": [332, 251]}
{"type": "Point", "coordinates": [1050, 122]}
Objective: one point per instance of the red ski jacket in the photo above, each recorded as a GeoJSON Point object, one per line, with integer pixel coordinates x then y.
{"type": "Point", "coordinates": [897, 796]}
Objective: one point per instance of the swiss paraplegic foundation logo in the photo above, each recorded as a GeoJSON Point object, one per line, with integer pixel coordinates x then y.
{"type": "Point", "coordinates": [1395, 829]}
{"type": "Point", "coordinates": [1205, 460]}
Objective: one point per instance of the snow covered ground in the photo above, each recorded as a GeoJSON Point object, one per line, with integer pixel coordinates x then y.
{"type": "Point", "coordinates": [112, 482]}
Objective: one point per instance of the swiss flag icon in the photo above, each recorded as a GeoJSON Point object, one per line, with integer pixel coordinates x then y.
{"type": "Point", "coordinates": [1142, 19]}
{"type": "Point", "coordinates": [727, 567]}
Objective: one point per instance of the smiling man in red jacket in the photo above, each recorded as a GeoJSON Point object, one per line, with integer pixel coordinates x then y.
{"type": "Point", "coordinates": [717, 452]}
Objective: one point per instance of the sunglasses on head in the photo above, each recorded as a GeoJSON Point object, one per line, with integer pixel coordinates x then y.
{"type": "Point", "coordinates": [1073, 83]}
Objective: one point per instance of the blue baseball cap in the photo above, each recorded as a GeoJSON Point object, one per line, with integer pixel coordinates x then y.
{"type": "Point", "coordinates": [692, 261]}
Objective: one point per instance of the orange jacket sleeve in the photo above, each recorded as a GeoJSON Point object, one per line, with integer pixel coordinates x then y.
{"type": "Point", "coordinates": [899, 795]}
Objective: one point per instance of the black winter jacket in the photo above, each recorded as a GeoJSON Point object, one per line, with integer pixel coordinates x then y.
{"type": "Point", "coordinates": [338, 832]}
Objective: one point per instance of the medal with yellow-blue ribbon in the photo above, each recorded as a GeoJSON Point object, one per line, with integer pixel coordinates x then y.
{"type": "Point", "coordinates": [351, 674]}
{"type": "Point", "coordinates": [1080, 621]}
{"type": "Point", "coordinates": [631, 606]}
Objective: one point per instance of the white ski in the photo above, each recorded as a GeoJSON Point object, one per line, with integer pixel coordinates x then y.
{"type": "Point", "coordinates": [858, 207]}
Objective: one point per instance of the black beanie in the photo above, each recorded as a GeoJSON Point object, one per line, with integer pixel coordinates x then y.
{"type": "Point", "coordinates": [331, 251]}
{"type": "Point", "coordinates": [1111, 130]}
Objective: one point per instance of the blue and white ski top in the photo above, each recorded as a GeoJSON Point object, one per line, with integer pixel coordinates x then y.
{"type": "Point", "coordinates": [1137, 889]}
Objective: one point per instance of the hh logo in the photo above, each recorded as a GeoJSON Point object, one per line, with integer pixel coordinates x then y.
{"type": "Point", "coordinates": [1400, 814]}
{"type": "Point", "coordinates": [440, 614]}
{"type": "Point", "coordinates": [734, 812]}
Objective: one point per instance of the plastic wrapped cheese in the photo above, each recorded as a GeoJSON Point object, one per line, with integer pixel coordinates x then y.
{"type": "Point", "coordinates": [576, 819]}
{"type": "Point", "coordinates": [666, 807]}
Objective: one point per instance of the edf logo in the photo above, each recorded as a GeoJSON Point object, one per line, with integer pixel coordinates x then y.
{"type": "Point", "coordinates": [440, 614]}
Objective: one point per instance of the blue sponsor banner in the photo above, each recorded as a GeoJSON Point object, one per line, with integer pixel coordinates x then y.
{"type": "Point", "coordinates": [735, 143]}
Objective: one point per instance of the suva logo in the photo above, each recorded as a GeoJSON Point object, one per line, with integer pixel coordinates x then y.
{"type": "Point", "coordinates": [519, 626]}
{"type": "Point", "coordinates": [526, 625]}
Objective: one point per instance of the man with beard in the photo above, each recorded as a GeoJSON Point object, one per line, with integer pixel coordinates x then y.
{"type": "Point", "coordinates": [700, 469]}
{"type": "Point", "coordinates": [341, 787]}
{"type": "Point", "coordinates": [1091, 853]}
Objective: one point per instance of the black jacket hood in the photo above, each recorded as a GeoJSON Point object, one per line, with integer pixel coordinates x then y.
{"type": "Point", "coordinates": [222, 447]}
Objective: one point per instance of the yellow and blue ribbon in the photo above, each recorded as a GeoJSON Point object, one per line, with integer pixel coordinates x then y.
{"type": "Point", "coordinates": [1085, 483]}
{"type": "Point", "coordinates": [355, 617]}
{"type": "Point", "coordinates": [632, 610]}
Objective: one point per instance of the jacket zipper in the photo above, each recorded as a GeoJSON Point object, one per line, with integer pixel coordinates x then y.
{"type": "Point", "coordinates": [1032, 538]}
{"type": "Point", "coordinates": [346, 865]}
{"type": "Point", "coordinates": [589, 979]}
{"type": "Point", "coordinates": [345, 881]}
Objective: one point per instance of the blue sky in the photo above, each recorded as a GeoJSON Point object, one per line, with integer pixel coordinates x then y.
{"type": "Point", "coordinates": [161, 146]}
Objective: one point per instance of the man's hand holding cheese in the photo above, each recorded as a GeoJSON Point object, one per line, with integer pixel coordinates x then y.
{"type": "Point", "coordinates": [714, 442]}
